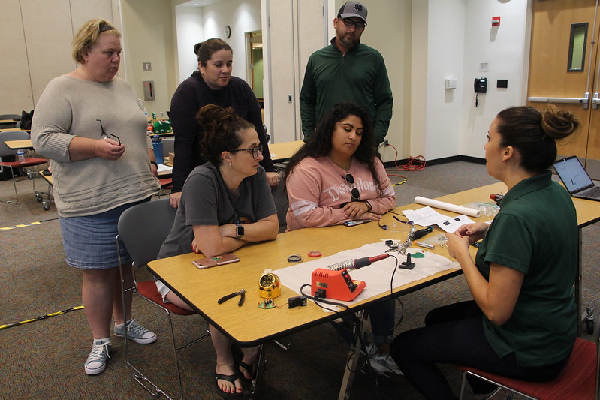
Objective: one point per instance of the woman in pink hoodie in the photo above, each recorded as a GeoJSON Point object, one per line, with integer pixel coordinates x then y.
{"type": "Point", "coordinates": [335, 177]}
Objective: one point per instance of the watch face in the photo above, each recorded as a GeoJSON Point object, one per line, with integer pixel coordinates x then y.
{"type": "Point", "coordinates": [240, 230]}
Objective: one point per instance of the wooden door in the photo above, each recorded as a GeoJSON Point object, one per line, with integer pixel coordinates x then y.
{"type": "Point", "coordinates": [554, 80]}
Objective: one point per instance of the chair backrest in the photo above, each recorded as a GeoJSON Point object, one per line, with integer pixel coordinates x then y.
{"type": "Point", "coordinates": [168, 145]}
{"type": "Point", "coordinates": [16, 117]}
{"type": "Point", "coordinates": [11, 135]}
{"type": "Point", "coordinates": [143, 229]}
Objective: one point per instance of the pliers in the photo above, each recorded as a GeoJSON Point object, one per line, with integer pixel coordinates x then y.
{"type": "Point", "coordinates": [241, 293]}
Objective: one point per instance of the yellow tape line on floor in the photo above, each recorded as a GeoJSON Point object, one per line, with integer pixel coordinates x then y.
{"type": "Point", "coordinates": [41, 317]}
{"type": "Point", "coordinates": [8, 228]}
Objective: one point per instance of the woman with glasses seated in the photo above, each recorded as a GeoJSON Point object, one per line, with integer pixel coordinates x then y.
{"type": "Point", "coordinates": [336, 177]}
{"type": "Point", "coordinates": [92, 127]}
{"type": "Point", "coordinates": [225, 203]}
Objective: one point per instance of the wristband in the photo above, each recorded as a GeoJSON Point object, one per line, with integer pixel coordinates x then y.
{"type": "Point", "coordinates": [369, 206]}
{"type": "Point", "coordinates": [154, 162]}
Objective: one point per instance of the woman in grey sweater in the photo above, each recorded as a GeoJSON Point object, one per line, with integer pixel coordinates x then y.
{"type": "Point", "coordinates": [92, 127]}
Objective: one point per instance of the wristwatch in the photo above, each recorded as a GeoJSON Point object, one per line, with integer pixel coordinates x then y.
{"type": "Point", "coordinates": [239, 231]}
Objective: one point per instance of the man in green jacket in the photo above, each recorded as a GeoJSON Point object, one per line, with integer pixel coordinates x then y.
{"type": "Point", "coordinates": [347, 70]}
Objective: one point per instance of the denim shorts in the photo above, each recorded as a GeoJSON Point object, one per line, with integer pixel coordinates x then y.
{"type": "Point", "coordinates": [89, 241]}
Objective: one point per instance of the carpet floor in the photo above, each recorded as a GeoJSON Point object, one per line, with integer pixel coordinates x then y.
{"type": "Point", "coordinates": [44, 358]}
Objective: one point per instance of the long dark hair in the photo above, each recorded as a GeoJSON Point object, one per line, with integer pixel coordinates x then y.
{"type": "Point", "coordinates": [319, 143]}
{"type": "Point", "coordinates": [534, 133]}
{"type": "Point", "coordinates": [221, 131]}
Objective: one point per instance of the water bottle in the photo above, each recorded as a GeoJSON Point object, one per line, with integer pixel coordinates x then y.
{"type": "Point", "coordinates": [21, 155]}
{"type": "Point", "coordinates": [158, 149]}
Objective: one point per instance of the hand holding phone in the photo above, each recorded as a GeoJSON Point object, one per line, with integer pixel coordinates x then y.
{"type": "Point", "coordinates": [209, 262]}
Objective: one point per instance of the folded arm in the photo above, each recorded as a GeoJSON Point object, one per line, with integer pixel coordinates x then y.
{"type": "Point", "coordinates": [213, 240]}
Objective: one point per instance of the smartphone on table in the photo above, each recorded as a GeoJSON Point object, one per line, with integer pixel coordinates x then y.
{"type": "Point", "coordinates": [209, 262]}
{"type": "Point", "coordinates": [356, 222]}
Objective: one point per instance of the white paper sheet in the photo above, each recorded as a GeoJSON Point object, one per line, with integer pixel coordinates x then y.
{"type": "Point", "coordinates": [428, 216]}
{"type": "Point", "coordinates": [164, 168]}
{"type": "Point", "coordinates": [377, 275]}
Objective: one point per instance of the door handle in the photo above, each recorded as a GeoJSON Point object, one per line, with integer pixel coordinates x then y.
{"type": "Point", "coordinates": [584, 101]}
{"type": "Point", "coordinates": [595, 101]}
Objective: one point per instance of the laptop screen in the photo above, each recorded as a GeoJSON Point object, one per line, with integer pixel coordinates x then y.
{"type": "Point", "coordinates": [572, 174]}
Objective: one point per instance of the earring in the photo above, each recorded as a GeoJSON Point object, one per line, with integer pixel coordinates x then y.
{"type": "Point", "coordinates": [229, 165]}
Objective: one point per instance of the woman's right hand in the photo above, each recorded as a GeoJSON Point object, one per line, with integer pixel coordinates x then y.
{"type": "Point", "coordinates": [474, 231]}
{"type": "Point", "coordinates": [174, 199]}
{"type": "Point", "coordinates": [108, 149]}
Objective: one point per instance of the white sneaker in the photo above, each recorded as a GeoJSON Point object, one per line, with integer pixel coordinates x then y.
{"type": "Point", "coordinates": [135, 332]}
{"type": "Point", "coordinates": [96, 361]}
{"type": "Point", "coordinates": [382, 363]}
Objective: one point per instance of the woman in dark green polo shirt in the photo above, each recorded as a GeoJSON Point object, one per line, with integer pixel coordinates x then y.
{"type": "Point", "coordinates": [522, 322]}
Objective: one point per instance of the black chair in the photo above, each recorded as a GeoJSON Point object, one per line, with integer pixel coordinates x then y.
{"type": "Point", "coordinates": [142, 229]}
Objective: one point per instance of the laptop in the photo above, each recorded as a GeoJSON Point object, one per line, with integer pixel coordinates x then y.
{"type": "Point", "coordinates": [576, 180]}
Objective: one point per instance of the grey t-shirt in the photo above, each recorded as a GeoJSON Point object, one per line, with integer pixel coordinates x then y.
{"type": "Point", "coordinates": [206, 200]}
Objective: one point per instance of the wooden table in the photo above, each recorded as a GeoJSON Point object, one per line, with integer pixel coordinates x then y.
{"type": "Point", "coordinates": [19, 144]}
{"type": "Point", "coordinates": [13, 129]}
{"type": "Point", "coordinates": [284, 151]}
{"type": "Point", "coordinates": [250, 326]}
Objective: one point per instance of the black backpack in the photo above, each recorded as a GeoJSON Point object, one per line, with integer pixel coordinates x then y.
{"type": "Point", "coordinates": [26, 118]}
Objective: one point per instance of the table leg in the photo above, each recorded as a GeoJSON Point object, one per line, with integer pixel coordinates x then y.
{"type": "Point", "coordinates": [259, 370]}
{"type": "Point", "coordinates": [353, 357]}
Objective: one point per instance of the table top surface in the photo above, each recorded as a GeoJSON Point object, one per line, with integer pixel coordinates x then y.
{"type": "Point", "coordinates": [13, 129]}
{"type": "Point", "coordinates": [19, 144]}
{"type": "Point", "coordinates": [284, 151]}
{"type": "Point", "coordinates": [249, 325]}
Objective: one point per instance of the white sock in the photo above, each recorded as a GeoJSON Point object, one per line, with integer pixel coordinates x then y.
{"type": "Point", "coordinates": [102, 341]}
{"type": "Point", "coordinates": [121, 324]}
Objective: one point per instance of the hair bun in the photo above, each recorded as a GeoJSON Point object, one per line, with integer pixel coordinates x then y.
{"type": "Point", "coordinates": [558, 124]}
{"type": "Point", "coordinates": [212, 117]}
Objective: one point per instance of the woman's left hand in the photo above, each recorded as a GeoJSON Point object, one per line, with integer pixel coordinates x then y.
{"type": "Point", "coordinates": [273, 178]}
{"type": "Point", "coordinates": [457, 244]}
{"type": "Point", "coordinates": [355, 209]}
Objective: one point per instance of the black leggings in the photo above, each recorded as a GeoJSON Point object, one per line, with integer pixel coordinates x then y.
{"type": "Point", "coordinates": [454, 334]}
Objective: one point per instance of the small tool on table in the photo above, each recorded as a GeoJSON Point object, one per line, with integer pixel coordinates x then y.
{"type": "Point", "coordinates": [241, 293]}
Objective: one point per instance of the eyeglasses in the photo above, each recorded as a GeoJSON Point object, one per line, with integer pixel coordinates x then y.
{"type": "Point", "coordinates": [356, 24]}
{"type": "Point", "coordinates": [254, 150]}
{"type": "Point", "coordinates": [105, 135]}
{"type": "Point", "coordinates": [354, 193]}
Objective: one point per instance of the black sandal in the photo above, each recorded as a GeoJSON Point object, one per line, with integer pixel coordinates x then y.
{"type": "Point", "coordinates": [229, 378]}
{"type": "Point", "coordinates": [249, 368]}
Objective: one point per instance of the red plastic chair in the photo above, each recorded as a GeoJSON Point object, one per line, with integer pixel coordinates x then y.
{"type": "Point", "coordinates": [26, 163]}
{"type": "Point", "coordinates": [577, 381]}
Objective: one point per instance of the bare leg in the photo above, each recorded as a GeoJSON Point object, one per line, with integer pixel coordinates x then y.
{"type": "Point", "coordinates": [222, 345]}
{"type": "Point", "coordinates": [97, 293]}
{"type": "Point", "coordinates": [250, 356]}
{"type": "Point", "coordinates": [173, 298]}
{"type": "Point", "coordinates": [118, 313]}
{"type": "Point", "coordinates": [225, 363]}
